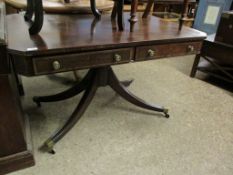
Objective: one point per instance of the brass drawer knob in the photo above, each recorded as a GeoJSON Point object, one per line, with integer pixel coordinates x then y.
{"type": "Point", "coordinates": [151, 53]}
{"type": "Point", "coordinates": [56, 65]}
{"type": "Point", "coordinates": [117, 57]}
{"type": "Point", "coordinates": [191, 48]}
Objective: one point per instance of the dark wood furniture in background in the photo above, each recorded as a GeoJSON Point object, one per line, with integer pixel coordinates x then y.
{"type": "Point", "coordinates": [56, 6]}
{"type": "Point", "coordinates": [35, 13]}
{"type": "Point", "coordinates": [173, 10]}
{"type": "Point", "coordinates": [184, 10]}
{"type": "Point", "coordinates": [225, 29]}
{"type": "Point", "coordinates": [219, 57]}
{"type": "Point", "coordinates": [15, 148]}
{"type": "Point", "coordinates": [175, 6]}
{"type": "Point", "coordinates": [218, 51]}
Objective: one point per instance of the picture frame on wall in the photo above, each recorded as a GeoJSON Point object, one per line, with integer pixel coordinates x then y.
{"type": "Point", "coordinates": [209, 14]}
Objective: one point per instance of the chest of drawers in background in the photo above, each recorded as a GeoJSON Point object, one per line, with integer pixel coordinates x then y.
{"type": "Point", "coordinates": [225, 30]}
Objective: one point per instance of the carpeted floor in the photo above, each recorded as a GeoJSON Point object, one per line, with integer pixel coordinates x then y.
{"type": "Point", "coordinates": [116, 138]}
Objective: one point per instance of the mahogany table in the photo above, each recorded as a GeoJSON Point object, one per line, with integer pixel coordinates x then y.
{"type": "Point", "coordinates": [73, 42]}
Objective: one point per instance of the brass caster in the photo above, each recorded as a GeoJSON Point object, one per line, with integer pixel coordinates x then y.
{"type": "Point", "coordinates": [48, 147]}
{"type": "Point", "coordinates": [52, 152]}
{"type": "Point", "coordinates": [166, 113]}
{"type": "Point", "coordinates": [36, 100]}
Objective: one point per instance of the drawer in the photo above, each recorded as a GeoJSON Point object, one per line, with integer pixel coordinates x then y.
{"type": "Point", "coordinates": [167, 50]}
{"type": "Point", "coordinates": [61, 63]}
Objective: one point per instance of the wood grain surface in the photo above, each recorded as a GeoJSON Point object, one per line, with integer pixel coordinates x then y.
{"type": "Point", "coordinates": [76, 33]}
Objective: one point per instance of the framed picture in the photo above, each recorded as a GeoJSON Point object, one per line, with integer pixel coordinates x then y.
{"type": "Point", "coordinates": [209, 13]}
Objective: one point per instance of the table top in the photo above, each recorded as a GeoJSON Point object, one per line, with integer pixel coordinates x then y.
{"type": "Point", "coordinates": [74, 33]}
{"type": "Point", "coordinates": [58, 6]}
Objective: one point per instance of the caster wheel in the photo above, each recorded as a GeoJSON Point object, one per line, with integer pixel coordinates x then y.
{"type": "Point", "coordinates": [35, 99]}
{"type": "Point", "coordinates": [48, 147]}
{"type": "Point", "coordinates": [52, 152]}
{"type": "Point", "coordinates": [167, 115]}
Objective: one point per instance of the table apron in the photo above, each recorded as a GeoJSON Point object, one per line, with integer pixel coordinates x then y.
{"type": "Point", "coordinates": [43, 65]}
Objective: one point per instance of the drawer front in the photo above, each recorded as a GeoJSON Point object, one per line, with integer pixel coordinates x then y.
{"type": "Point", "coordinates": [61, 63]}
{"type": "Point", "coordinates": [167, 50]}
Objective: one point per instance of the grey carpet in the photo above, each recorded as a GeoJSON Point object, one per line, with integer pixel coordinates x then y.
{"type": "Point", "coordinates": [116, 138]}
